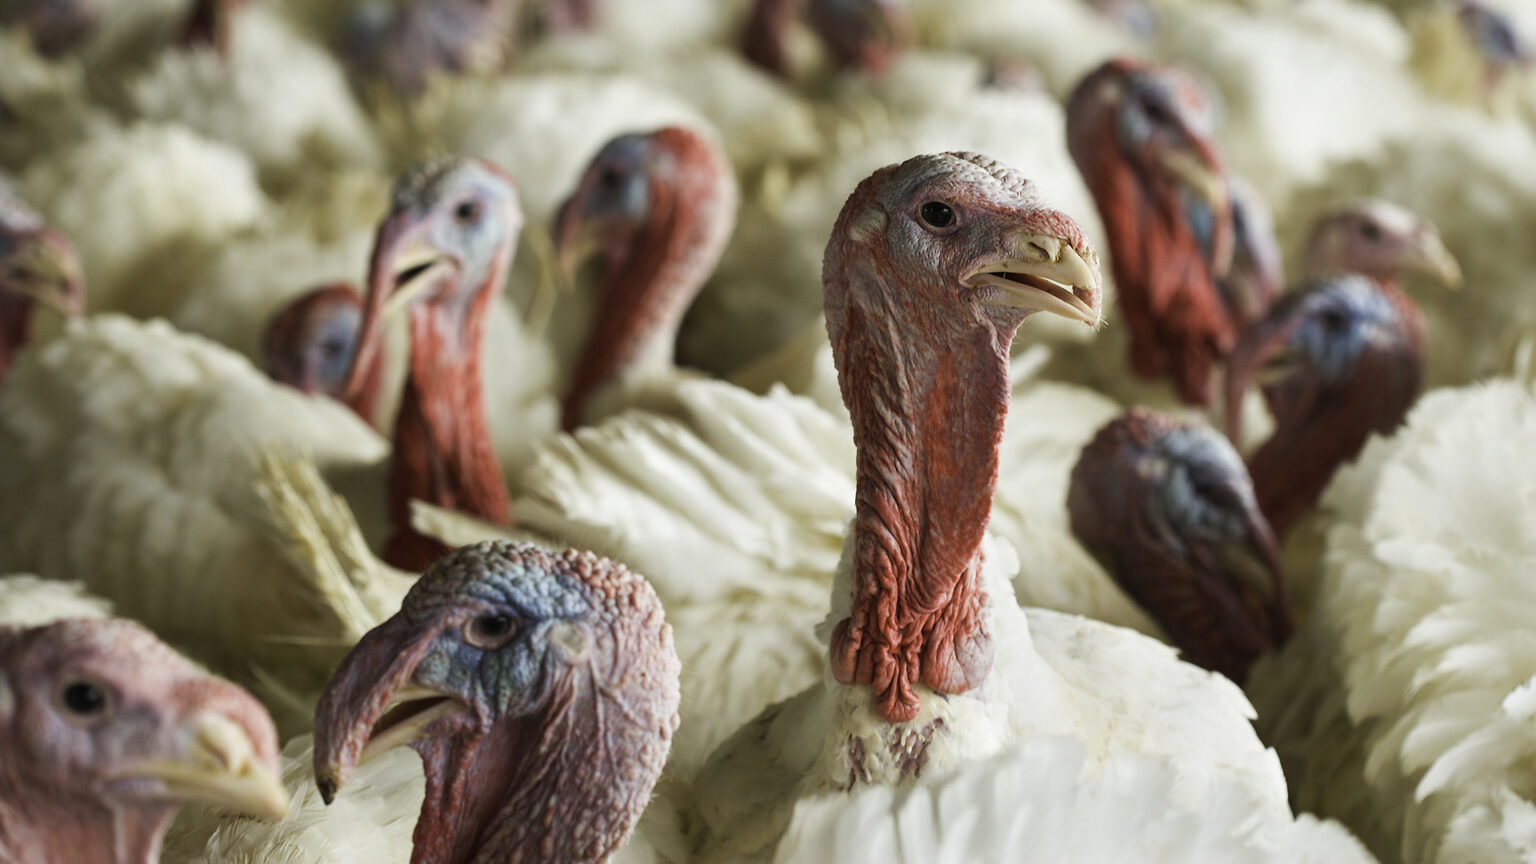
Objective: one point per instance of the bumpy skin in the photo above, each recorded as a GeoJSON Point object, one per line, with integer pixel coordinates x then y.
{"type": "Point", "coordinates": [37, 264]}
{"type": "Point", "coordinates": [459, 220]}
{"type": "Point", "coordinates": [1168, 509]}
{"type": "Point", "coordinates": [566, 686]}
{"type": "Point", "coordinates": [1141, 136]}
{"type": "Point", "coordinates": [659, 207]}
{"type": "Point", "coordinates": [88, 707]}
{"type": "Point", "coordinates": [1343, 358]}
{"type": "Point", "coordinates": [309, 343]}
{"type": "Point", "coordinates": [928, 412]}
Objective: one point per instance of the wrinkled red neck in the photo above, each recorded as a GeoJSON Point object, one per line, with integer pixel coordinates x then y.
{"type": "Point", "coordinates": [54, 831]}
{"type": "Point", "coordinates": [442, 450]}
{"type": "Point", "coordinates": [644, 295]}
{"type": "Point", "coordinates": [564, 785]}
{"type": "Point", "coordinates": [927, 421]}
{"type": "Point", "coordinates": [1318, 430]}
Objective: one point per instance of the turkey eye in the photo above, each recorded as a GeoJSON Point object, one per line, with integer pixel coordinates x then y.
{"type": "Point", "coordinates": [468, 211]}
{"type": "Point", "coordinates": [610, 178]}
{"type": "Point", "coordinates": [938, 214]}
{"type": "Point", "coordinates": [1334, 320]}
{"type": "Point", "coordinates": [1370, 231]}
{"type": "Point", "coordinates": [488, 631]}
{"type": "Point", "coordinates": [83, 700]}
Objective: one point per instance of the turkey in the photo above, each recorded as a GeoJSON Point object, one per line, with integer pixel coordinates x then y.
{"type": "Point", "coordinates": [1141, 135]}
{"type": "Point", "coordinates": [108, 732]}
{"type": "Point", "coordinates": [931, 267]}
{"type": "Point", "coordinates": [659, 206]}
{"type": "Point", "coordinates": [309, 344]}
{"type": "Point", "coordinates": [1167, 507]}
{"type": "Point", "coordinates": [38, 269]}
{"type": "Point", "coordinates": [529, 682]}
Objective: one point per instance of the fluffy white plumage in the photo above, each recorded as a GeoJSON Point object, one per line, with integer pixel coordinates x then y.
{"type": "Point", "coordinates": [134, 199]}
{"type": "Point", "coordinates": [134, 471]}
{"type": "Point", "coordinates": [26, 601]}
{"type": "Point", "coordinates": [279, 97]}
{"type": "Point", "coordinates": [1419, 735]}
{"type": "Point", "coordinates": [1111, 690]}
{"type": "Point", "coordinates": [1269, 68]}
{"type": "Point", "coordinates": [1045, 802]}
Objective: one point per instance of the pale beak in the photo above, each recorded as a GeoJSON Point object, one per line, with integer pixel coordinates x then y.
{"type": "Point", "coordinates": [1208, 185]}
{"type": "Point", "coordinates": [1430, 258]}
{"type": "Point", "coordinates": [1281, 366]}
{"type": "Point", "coordinates": [1044, 273]}
{"type": "Point", "coordinates": [220, 766]}
{"type": "Point", "coordinates": [416, 270]}
{"type": "Point", "coordinates": [413, 708]}
{"type": "Point", "coordinates": [46, 271]}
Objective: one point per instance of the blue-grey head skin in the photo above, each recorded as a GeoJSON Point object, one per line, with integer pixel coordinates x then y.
{"type": "Point", "coordinates": [55, 26]}
{"type": "Point", "coordinates": [308, 343]}
{"type": "Point", "coordinates": [1338, 359]}
{"type": "Point", "coordinates": [612, 201]}
{"type": "Point", "coordinates": [1169, 511]}
{"type": "Point", "coordinates": [529, 681]}
{"type": "Point", "coordinates": [1494, 35]}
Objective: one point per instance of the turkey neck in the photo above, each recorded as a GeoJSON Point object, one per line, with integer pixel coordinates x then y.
{"type": "Point", "coordinates": [643, 296]}
{"type": "Point", "coordinates": [927, 423]}
{"type": "Point", "coordinates": [79, 831]}
{"type": "Point", "coordinates": [562, 786]}
{"type": "Point", "coordinates": [443, 453]}
{"type": "Point", "coordinates": [15, 328]}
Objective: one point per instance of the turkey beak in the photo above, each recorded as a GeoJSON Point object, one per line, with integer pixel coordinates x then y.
{"type": "Point", "coordinates": [1044, 273]}
{"type": "Point", "coordinates": [46, 270]}
{"type": "Point", "coordinates": [371, 704]}
{"type": "Point", "coordinates": [1198, 169]}
{"type": "Point", "coordinates": [405, 265]}
{"type": "Point", "coordinates": [219, 766]}
{"type": "Point", "coordinates": [413, 265]}
{"type": "Point", "coordinates": [1429, 257]}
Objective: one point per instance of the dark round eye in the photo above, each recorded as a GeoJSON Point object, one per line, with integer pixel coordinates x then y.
{"type": "Point", "coordinates": [488, 631]}
{"type": "Point", "coordinates": [1370, 231]}
{"type": "Point", "coordinates": [468, 211]}
{"type": "Point", "coordinates": [1156, 111]}
{"type": "Point", "coordinates": [938, 214]}
{"type": "Point", "coordinates": [1334, 319]}
{"type": "Point", "coordinates": [83, 699]}
{"type": "Point", "coordinates": [610, 177]}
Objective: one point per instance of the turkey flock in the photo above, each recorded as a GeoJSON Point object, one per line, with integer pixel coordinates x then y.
{"type": "Point", "coordinates": [728, 431]}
